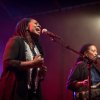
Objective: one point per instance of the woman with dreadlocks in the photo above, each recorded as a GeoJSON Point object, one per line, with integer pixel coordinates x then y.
{"type": "Point", "coordinates": [23, 63]}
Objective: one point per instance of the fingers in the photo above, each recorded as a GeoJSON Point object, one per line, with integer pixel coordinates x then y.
{"type": "Point", "coordinates": [37, 56]}
{"type": "Point", "coordinates": [44, 68]}
{"type": "Point", "coordinates": [85, 82]}
{"type": "Point", "coordinates": [38, 60]}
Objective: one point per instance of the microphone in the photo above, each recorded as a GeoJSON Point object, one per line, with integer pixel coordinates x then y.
{"type": "Point", "coordinates": [50, 34]}
{"type": "Point", "coordinates": [98, 56]}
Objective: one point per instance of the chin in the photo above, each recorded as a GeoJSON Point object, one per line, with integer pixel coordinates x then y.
{"type": "Point", "coordinates": [37, 33]}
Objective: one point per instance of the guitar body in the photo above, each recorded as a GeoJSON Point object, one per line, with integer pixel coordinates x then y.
{"type": "Point", "coordinates": [84, 94]}
{"type": "Point", "coordinates": [80, 95]}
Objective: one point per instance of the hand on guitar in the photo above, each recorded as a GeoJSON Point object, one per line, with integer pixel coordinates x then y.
{"type": "Point", "coordinates": [83, 83]}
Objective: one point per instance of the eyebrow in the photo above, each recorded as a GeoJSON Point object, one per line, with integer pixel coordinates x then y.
{"type": "Point", "coordinates": [93, 49]}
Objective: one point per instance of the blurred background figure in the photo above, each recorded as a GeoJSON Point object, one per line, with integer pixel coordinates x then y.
{"type": "Point", "coordinates": [78, 81]}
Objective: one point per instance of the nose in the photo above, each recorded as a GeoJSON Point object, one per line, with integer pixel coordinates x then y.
{"type": "Point", "coordinates": [96, 53]}
{"type": "Point", "coordinates": [39, 26]}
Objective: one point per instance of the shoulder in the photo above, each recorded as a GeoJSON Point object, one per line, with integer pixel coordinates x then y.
{"type": "Point", "coordinates": [80, 65]}
{"type": "Point", "coordinates": [15, 39]}
{"type": "Point", "coordinates": [14, 42]}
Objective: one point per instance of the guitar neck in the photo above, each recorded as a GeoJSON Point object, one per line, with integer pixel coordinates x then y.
{"type": "Point", "coordinates": [95, 86]}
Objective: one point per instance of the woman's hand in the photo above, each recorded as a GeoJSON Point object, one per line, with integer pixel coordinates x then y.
{"type": "Point", "coordinates": [36, 62]}
{"type": "Point", "coordinates": [83, 83]}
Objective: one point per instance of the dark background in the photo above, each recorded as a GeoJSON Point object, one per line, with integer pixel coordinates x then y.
{"type": "Point", "coordinates": [76, 21]}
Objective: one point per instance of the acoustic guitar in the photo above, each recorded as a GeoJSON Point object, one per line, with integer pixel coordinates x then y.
{"type": "Point", "coordinates": [83, 95]}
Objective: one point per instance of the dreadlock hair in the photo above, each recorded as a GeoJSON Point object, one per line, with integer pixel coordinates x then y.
{"type": "Point", "coordinates": [22, 30]}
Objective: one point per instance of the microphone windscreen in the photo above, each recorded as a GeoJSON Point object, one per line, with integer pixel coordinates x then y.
{"type": "Point", "coordinates": [44, 30]}
{"type": "Point", "coordinates": [98, 56]}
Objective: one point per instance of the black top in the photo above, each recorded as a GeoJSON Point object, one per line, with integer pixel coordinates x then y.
{"type": "Point", "coordinates": [79, 73]}
{"type": "Point", "coordinates": [13, 82]}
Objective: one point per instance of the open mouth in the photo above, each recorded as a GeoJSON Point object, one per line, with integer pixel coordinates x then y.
{"type": "Point", "coordinates": [38, 29]}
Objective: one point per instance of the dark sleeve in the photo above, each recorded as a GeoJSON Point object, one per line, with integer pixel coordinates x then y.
{"type": "Point", "coordinates": [75, 75]}
{"type": "Point", "coordinates": [11, 53]}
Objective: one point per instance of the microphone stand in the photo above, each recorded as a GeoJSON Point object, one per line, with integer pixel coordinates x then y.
{"type": "Point", "coordinates": [62, 42]}
{"type": "Point", "coordinates": [89, 80]}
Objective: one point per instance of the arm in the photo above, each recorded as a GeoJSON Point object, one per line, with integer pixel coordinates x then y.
{"type": "Point", "coordinates": [36, 62]}
{"type": "Point", "coordinates": [83, 83]}
{"type": "Point", "coordinates": [76, 78]}
{"type": "Point", "coordinates": [11, 58]}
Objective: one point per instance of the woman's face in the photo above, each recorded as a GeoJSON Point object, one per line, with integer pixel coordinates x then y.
{"type": "Point", "coordinates": [34, 27]}
{"type": "Point", "coordinates": [92, 52]}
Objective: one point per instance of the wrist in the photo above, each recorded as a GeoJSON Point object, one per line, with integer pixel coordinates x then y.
{"type": "Point", "coordinates": [80, 83]}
